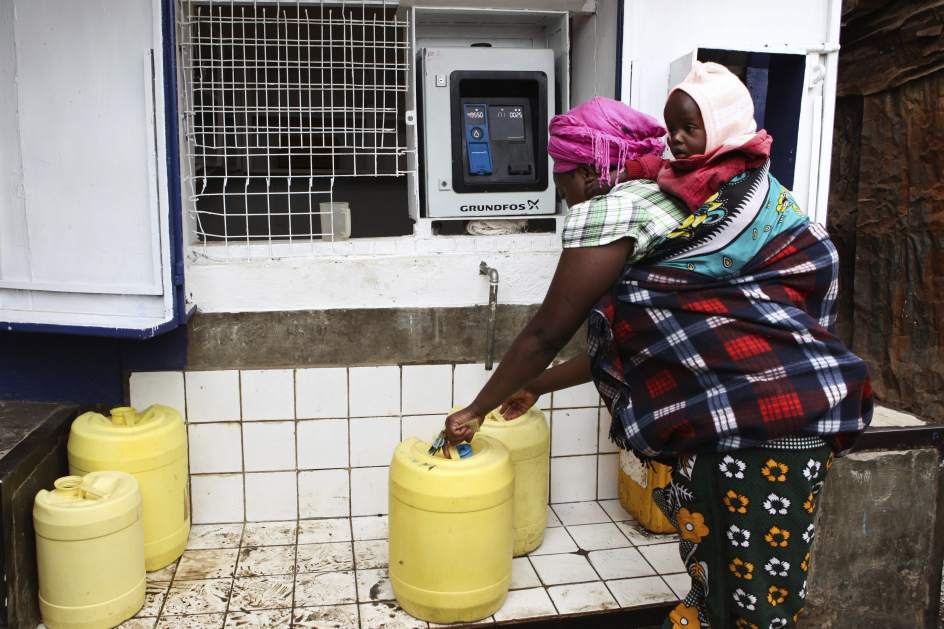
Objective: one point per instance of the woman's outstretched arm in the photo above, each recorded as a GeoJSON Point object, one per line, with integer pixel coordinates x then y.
{"type": "Point", "coordinates": [583, 275]}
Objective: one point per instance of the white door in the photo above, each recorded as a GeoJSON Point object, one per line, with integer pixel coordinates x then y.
{"type": "Point", "coordinates": [661, 39]}
{"type": "Point", "coordinates": [84, 218]}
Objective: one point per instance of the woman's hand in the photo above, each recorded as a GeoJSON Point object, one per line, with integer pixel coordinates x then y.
{"type": "Point", "coordinates": [460, 426]}
{"type": "Point", "coordinates": [518, 403]}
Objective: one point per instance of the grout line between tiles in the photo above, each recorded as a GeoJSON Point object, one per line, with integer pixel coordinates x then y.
{"type": "Point", "coordinates": [242, 449]}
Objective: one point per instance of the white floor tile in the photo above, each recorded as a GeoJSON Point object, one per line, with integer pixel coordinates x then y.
{"type": "Point", "coordinates": [268, 446]}
{"type": "Point", "coordinates": [257, 593]}
{"type": "Point", "coordinates": [567, 568]}
{"type": "Point", "coordinates": [639, 536]}
{"type": "Point", "coordinates": [370, 527]}
{"type": "Point", "coordinates": [324, 531]}
{"type": "Point", "coordinates": [387, 616]}
{"type": "Point", "coordinates": [369, 492]}
{"type": "Point", "coordinates": [641, 591]}
{"type": "Point", "coordinates": [523, 575]}
{"type": "Point", "coordinates": [556, 541]}
{"type": "Point", "coordinates": [552, 520]}
{"type": "Point", "coordinates": [217, 498]}
{"type": "Point", "coordinates": [521, 604]}
{"type": "Point", "coordinates": [680, 583]}
{"type": "Point", "coordinates": [133, 623]}
{"type": "Point", "coordinates": [206, 564]}
{"type": "Point", "coordinates": [270, 533]}
{"type": "Point", "coordinates": [197, 597]}
{"type": "Point", "coordinates": [261, 561]}
{"type": "Point", "coordinates": [212, 396]}
{"type": "Point", "coordinates": [615, 510]}
{"type": "Point", "coordinates": [197, 621]}
{"type": "Point", "coordinates": [427, 389]}
{"type": "Point", "coordinates": [333, 557]}
{"type": "Point", "coordinates": [324, 616]}
{"type": "Point", "coordinates": [325, 588]}
{"type": "Point", "coordinates": [155, 595]}
{"type": "Point", "coordinates": [580, 513]}
{"type": "Point", "coordinates": [620, 563]}
{"type": "Point", "coordinates": [573, 478]}
{"type": "Point", "coordinates": [663, 557]}
{"type": "Point", "coordinates": [373, 585]}
{"type": "Point", "coordinates": [574, 431]}
{"type": "Point", "coordinates": [322, 444]}
{"type": "Point", "coordinates": [207, 536]}
{"type": "Point", "coordinates": [261, 619]}
{"type": "Point", "coordinates": [321, 393]}
{"type": "Point", "coordinates": [373, 440]}
{"type": "Point", "coordinates": [268, 394]}
{"type": "Point", "coordinates": [157, 387]}
{"type": "Point", "coordinates": [371, 554]}
{"type": "Point", "coordinates": [324, 494]}
{"type": "Point", "coordinates": [271, 496]}
{"type": "Point", "coordinates": [374, 391]}
{"type": "Point", "coordinates": [598, 536]}
{"type": "Point", "coordinates": [582, 597]}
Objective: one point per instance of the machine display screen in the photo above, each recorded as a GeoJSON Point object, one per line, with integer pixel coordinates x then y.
{"type": "Point", "coordinates": [506, 122]}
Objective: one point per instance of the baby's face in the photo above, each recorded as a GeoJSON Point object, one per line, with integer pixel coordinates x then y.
{"type": "Point", "coordinates": [685, 124]}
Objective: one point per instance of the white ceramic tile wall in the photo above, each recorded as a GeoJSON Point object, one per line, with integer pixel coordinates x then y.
{"type": "Point", "coordinates": [315, 443]}
{"type": "Point", "coordinates": [157, 387]}
{"type": "Point", "coordinates": [321, 393]}
{"type": "Point", "coordinates": [268, 394]}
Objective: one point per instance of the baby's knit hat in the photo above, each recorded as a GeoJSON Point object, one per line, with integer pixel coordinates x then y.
{"type": "Point", "coordinates": [725, 104]}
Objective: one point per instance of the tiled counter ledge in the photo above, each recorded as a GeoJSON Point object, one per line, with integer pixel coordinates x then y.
{"type": "Point", "coordinates": [333, 573]}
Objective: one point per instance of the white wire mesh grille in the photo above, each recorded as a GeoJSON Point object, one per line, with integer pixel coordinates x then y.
{"type": "Point", "coordinates": [279, 100]}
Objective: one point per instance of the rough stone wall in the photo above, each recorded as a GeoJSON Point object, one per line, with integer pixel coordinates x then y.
{"type": "Point", "coordinates": [875, 560]}
{"type": "Point", "coordinates": [887, 196]}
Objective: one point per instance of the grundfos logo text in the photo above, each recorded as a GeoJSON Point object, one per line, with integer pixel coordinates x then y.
{"type": "Point", "coordinates": [532, 204]}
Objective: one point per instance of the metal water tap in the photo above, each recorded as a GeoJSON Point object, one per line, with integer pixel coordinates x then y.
{"type": "Point", "coordinates": [492, 274]}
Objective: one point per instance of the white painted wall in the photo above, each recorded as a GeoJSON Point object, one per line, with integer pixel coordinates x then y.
{"type": "Point", "coordinates": [379, 273]}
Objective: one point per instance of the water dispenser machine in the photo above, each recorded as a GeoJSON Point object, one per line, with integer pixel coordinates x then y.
{"type": "Point", "coordinates": [484, 128]}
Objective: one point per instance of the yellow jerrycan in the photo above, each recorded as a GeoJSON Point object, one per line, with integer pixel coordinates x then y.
{"type": "Point", "coordinates": [451, 530]}
{"type": "Point", "coordinates": [90, 551]}
{"type": "Point", "coordinates": [528, 441]}
{"type": "Point", "coordinates": [152, 446]}
{"type": "Point", "coordinates": [636, 484]}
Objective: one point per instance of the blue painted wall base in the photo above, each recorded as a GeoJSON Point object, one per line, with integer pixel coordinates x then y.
{"type": "Point", "coordinates": [82, 369]}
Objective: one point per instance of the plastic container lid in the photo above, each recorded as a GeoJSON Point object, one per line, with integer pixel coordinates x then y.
{"type": "Point", "coordinates": [86, 507]}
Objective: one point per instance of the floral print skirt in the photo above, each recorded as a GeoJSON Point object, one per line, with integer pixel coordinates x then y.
{"type": "Point", "coordinates": [745, 521]}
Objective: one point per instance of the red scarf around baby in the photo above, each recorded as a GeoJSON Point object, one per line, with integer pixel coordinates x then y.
{"type": "Point", "coordinates": [694, 179]}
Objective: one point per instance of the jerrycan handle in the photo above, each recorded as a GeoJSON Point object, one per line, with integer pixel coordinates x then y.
{"type": "Point", "coordinates": [98, 488]}
{"type": "Point", "coordinates": [124, 416]}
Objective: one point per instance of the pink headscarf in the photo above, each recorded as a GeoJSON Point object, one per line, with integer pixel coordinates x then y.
{"type": "Point", "coordinates": [604, 133]}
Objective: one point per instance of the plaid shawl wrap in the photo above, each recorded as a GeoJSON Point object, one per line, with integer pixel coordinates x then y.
{"type": "Point", "coordinates": [688, 364]}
